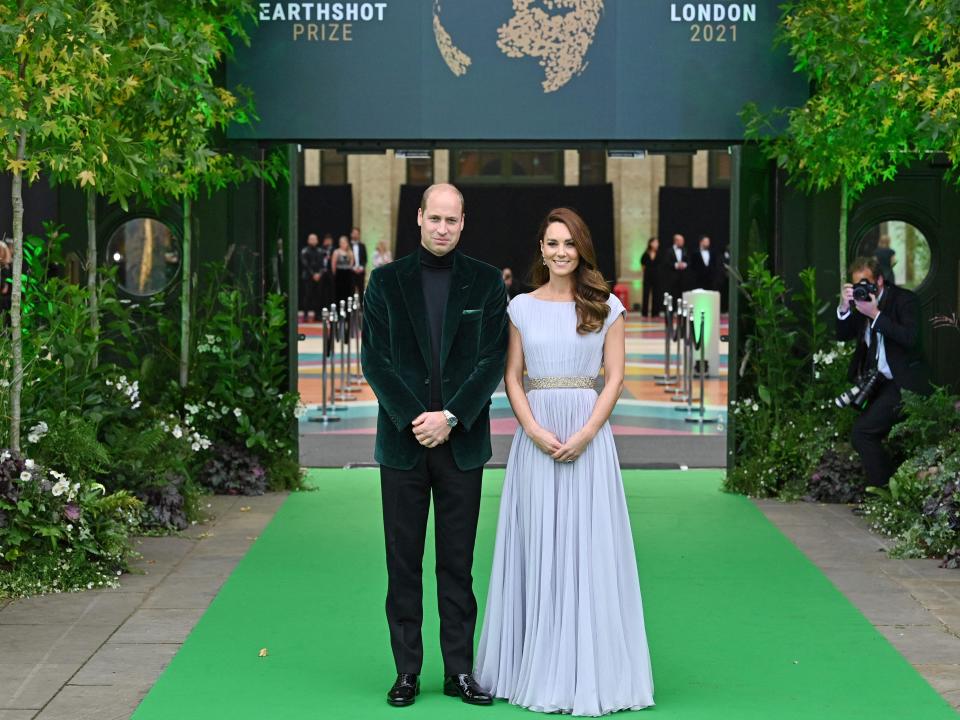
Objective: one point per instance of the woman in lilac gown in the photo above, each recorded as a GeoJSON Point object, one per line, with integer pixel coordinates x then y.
{"type": "Point", "coordinates": [563, 629]}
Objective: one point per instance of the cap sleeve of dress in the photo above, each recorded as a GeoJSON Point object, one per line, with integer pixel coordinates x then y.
{"type": "Point", "coordinates": [616, 310]}
{"type": "Point", "coordinates": [515, 311]}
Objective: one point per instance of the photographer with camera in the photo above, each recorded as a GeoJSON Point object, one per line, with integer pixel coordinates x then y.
{"type": "Point", "coordinates": [885, 321]}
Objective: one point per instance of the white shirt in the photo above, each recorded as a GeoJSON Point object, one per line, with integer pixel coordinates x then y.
{"type": "Point", "coordinates": [356, 255]}
{"type": "Point", "coordinates": [678, 252]}
{"type": "Point", "coordinates": [705, 254]}
{"type": "Point", "coordinates": [882, 364]}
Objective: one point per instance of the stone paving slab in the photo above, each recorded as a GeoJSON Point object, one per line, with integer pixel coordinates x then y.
{"type": "Point", "coordinates": [24, 685]}
{"type": "Point", "coordinates": [121, 664]}
{"type": "Point", "coordinates": [17, 714]}
{"type": "Point", "coordinates": [72, 608]}
{"type": "Point", "coordinates": [96, 654]}
{"type": "Point", "coordinates": [147, 626]}
{"type": "Point", "coordinates": [914, 603]}
{"type": "Point", "coordinates": [80, 702]}
{"type": "Point", "coordinates": [180, 593]}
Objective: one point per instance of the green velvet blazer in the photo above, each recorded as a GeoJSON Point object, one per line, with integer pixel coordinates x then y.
{"type": "Point", "coordinates": [397, 361]}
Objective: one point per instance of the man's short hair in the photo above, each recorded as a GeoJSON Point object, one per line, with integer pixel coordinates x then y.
{"type": "Point", "coordinates": [865, 263]}
{"type": "Point", "coordinates": [429, 190]}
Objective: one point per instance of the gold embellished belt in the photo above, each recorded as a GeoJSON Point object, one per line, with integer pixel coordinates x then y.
{"type": "Point", "coordinates": [550, 383]}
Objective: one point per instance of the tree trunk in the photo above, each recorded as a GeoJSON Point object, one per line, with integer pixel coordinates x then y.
{"type": "Point", "coordinates": [92, 271]}
{"type": "Point", "coordinates": [843, 230]}
{"type": "Point", "coordinates": [16, 389]}
{"type": "Point", "coordinates": [186, 290]}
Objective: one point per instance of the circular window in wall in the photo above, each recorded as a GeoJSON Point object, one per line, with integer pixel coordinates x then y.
{"type": "Point", "coordinates": [146, 254]}
{"type": "Point", "coordinates": [902, 250]}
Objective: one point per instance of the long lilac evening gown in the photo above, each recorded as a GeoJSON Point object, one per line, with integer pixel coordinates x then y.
{"type": "Point", "coordinates": [563, 629]}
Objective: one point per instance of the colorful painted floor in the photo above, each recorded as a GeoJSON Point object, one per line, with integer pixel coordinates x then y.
{"type": "Point", "coordinates": [644, 411]}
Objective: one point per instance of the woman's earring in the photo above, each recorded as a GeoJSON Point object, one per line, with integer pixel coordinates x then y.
{"type": "Point", "coordinates": [543, 259]}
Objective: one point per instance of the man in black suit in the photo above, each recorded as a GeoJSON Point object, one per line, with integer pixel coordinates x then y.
{"type": "Point", "coordinates": [675, 271]}
{"type": "Point", "coordinates": [886, 327]}
{"type": "Point", "coordinates": [359, 260]}
{"type": "Point", "coordinates": [311, 276]}
{"type": "Point", "coordinates": [434, 348]}
{"type": "Point", "coordinates": [704, 265]}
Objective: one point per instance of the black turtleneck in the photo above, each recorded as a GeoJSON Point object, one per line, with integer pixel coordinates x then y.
{"type": "Point", "coordinates": [435, 272]}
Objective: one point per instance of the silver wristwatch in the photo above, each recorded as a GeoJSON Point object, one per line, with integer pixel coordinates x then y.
{"type": "Point", "coordinates": [451, 418]}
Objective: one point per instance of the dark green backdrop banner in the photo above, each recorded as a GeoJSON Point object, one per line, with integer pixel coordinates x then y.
{"type": "Point", "coordinates": [433, 70]}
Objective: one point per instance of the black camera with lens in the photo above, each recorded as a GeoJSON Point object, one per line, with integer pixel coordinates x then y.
{"type": "Point", "coordinates": [859, 395]}
{"type": "Point", "coordinates": [863, 290]}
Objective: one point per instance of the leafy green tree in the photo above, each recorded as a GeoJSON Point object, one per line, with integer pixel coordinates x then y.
{"type": "Point", "coordinates": [51, 62]}
{"type": "Point", "coordinates": [118, 98]}
{"type": "Point", "coordinates": [186, 119]}
{"type": "Point", "coordinates": [862, 121]}
{"type": "Point", "coordinates": [102, 154]}
{"type": "Point", "coordinates": [937, 89]}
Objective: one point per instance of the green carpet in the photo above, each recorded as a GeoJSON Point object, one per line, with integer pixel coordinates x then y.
{"type": "Point", "coordinates": [740, 624]}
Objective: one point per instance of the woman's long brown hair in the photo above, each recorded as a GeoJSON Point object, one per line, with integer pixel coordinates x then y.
{"type": "Point", "coordinates": [590, 290]}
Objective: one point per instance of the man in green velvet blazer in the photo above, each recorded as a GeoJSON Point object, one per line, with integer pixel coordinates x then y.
{"type": "Point", "coordinates": [434, 346]}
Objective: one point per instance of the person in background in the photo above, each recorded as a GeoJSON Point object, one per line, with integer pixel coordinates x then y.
{"type": "Point", "coordinates": [512, 288]}
{"type": "Point", "coordinates": [886, 328]}
{"type": "Point", "coordinates": [327, 290]}
{"type": "Point", "coordinates": [381, 255]}
{"type": "Point", "coordinates": [359, 251]}
{"type": "Point", "coordinates": [705, 265]}
{"type": "Point", "coordinates": [649, 261]}
{"type": "Point", "coordinates": [886, 256]}
{"type": "Point", "coordinates": [675, 268]}
{"type": "Point", "coordinates": [344, 276]}
{"type": "Point", "coordinates": [6, 289]}
{"type": "Point", "coordinates": [311, 272]}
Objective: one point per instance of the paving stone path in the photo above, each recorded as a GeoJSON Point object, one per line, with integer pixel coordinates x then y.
{"type": "Point", "coordinates": [97, 654]}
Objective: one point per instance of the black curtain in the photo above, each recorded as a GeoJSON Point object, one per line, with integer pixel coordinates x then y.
{"type": "Point", "coordinates": [324, 209]}
{"type": "Point", "coordinates": [502, 222]}
{"type": "Point", "coordinates": [39, 204]}
{"type": "Point", "coordinates": [693, 212]}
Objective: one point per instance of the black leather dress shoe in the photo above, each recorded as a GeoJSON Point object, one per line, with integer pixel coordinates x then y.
{"type": "Point", "coordinates": [404, 690]}
{"type": "Point", "coordinates": [466, 688]}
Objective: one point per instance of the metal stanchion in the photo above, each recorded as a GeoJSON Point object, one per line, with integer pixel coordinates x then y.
{"type": "Point", "coordinates": [666, 378]}
{"type": "Point", "coordinates": [701, 346]}
{"type": "Point", "coordinates": [357, 334]}
{"type": "Point", "coordinates": [680, 335]}
{"type": "Point", "coordinates": [324, 417]}
{"type": "Point", "coordinates": [347, 344]}
{"type": "Point", "coordinates": [341, 335]}
{"type": "Point", "coordinates": [688, 348]}
{"type": "Point", "coordinates": [331, 331]}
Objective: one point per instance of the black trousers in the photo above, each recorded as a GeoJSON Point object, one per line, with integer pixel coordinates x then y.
{"type": "Point", "coordinates": [456, 506]}
{"type": "Point", "coordinates": [650, 300]}
{"type": "Point", "coordinates": [311, 296]}
{"type": "Point", "coordinates": [870, 430]}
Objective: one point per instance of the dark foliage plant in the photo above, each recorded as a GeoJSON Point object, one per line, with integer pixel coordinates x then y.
{"type": "Point", "coordinates": [233, 470]}
{"type": "Point", "coordinates": [838, 478]}
{"type": "Point", "coordinates": [165, 504]}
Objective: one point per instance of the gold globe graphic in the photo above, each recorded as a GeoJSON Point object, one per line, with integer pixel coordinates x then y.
{"type": "Point", "coordinates": [555, 33]}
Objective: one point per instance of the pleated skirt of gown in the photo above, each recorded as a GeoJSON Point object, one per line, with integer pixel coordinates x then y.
{"type": "Point", "coordinates": [563, 629]}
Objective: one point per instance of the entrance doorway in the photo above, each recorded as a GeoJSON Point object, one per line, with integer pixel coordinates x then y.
{"type": "Point", "coordinates": [625, 200]}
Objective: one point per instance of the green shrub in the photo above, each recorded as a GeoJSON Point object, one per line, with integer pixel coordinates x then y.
{"type": "Point", "coordinates": [58, 534]}
{"type": "Point", "coordinates": [920, 508]}
{"type": "Point", "coordinates": [785, 422]}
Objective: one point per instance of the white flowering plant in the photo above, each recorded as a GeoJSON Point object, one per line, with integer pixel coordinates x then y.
{"type": "Point", "coordinates": [59, 534]}
{"type": "Point", "coordinates": [785, 419]}
{"type": "Point", "coordinates": [235, 397]}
